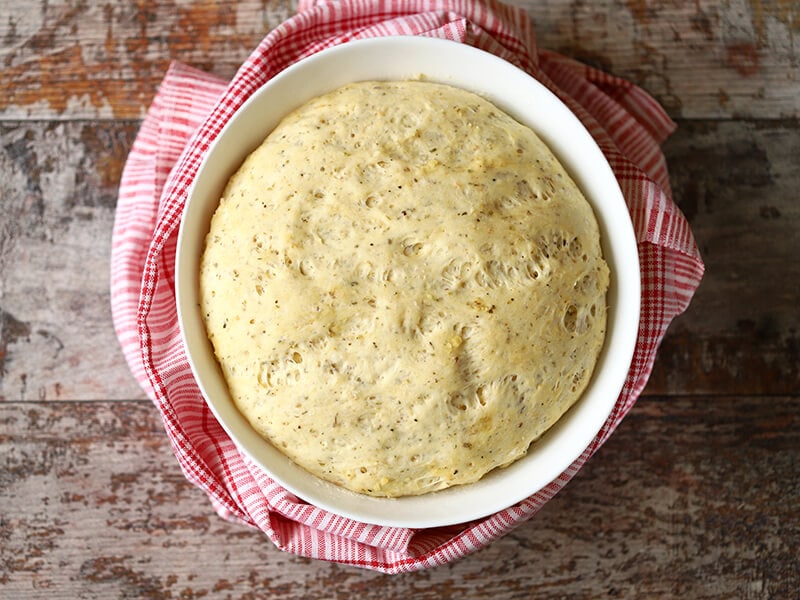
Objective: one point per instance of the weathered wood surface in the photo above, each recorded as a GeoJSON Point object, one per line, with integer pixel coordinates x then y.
{"type": "Point", "coordinates": [736, 181]}
{"type": "Point", "coordinates": [108, 514]}
{"type": "Point", "coordinates": [701, 59]}
{"type": "Point", "coordinates": [697, 493]}
{"type": "Point", "coordinates": [59, 192]}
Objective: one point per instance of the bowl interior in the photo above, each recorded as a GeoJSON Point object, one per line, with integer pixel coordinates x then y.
{"type": "Point", "coordinates": [398, 58]}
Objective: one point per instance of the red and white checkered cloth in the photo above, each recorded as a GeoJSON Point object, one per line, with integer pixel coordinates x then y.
{"type": "Point", "coordinates": [188, 112]}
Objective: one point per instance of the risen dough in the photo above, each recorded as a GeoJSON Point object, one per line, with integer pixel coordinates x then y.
{"type": "Point", "coordinates": [403, 287]}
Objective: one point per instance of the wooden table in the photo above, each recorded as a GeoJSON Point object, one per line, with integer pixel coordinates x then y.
{"type": "Point", "coordinates": [696, 495]}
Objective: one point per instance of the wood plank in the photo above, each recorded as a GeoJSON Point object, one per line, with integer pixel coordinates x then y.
{"type": "Point", "coordinates": [93, 59]}
{"type": "Point", "coordinates": [737, 183]}
{"type": "Point", "coordinates": [703, 59]}
{"type": "Point", "coordinates": [696, 494]}
{"type": "Point", "coordinates": [691, 497]}
{"type": "Point", "coordinates": [59, 192]}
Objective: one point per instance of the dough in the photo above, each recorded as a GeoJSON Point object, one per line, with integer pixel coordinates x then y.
{"type": "Point", "coordinates": [403, 287]}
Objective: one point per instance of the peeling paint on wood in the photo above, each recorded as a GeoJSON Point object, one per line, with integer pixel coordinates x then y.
{"type": "Point", "coordinates": [736, 183]}
{"type": "Point", "coordinates": [92, 60]}
{"type": "Point", "coordinates": [100, 60]}
{"type": "Point", "coordinates": [766, 15]}
{"type": "Point", "coordinates": [693, 496]}
{"type": "Point", "coordinates": [108, 514]}
{"type": "Point", "coordinates": [59, 191]}
{"type": "Point", "coordinates": [700, 59]}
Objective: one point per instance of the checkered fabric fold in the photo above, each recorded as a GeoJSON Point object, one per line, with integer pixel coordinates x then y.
{"type": "Point", "coordinates": [188, 112]}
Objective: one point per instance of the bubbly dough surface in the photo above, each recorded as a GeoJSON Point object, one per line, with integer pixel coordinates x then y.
{"type": "Point", "coordinates": [403, 287]}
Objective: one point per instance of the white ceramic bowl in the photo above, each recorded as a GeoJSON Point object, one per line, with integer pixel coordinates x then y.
{"type": "Point", "coordinates": [398, 58]}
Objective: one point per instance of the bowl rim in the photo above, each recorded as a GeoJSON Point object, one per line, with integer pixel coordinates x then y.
{"type": "Point", "coordinates": [512, 90]}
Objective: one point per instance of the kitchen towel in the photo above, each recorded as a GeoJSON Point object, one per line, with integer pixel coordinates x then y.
{"type": "Point", "coordinates": [187, 113]}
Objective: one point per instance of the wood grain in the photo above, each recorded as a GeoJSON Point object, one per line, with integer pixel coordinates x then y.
{"type": "Point", "coordinates": [108, 514]}
{"type": "Point", "coordinates": [59, 192]}
{"type": "Point", "coordinates": [697, 493]}
{"type": "Point", "coordinates": [104, 60]}
{"type": "Point", "coordinates": [701, 59]}
{"type": "Point", "coordinates": [735, 182]}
